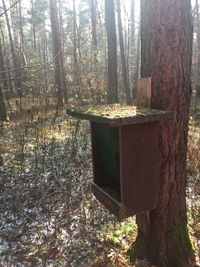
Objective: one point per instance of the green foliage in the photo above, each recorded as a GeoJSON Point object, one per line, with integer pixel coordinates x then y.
{"type": "Point", "coordinates": [195, 214]}
{"type": "Point", "coordinates": [120, 234]}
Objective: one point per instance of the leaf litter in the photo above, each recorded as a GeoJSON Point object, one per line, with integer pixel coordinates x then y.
{"type": "Point", "coordinates": [48, 215]}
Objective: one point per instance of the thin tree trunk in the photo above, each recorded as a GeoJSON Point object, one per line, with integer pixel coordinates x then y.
{"type": "Point", "coordinates": [7, 65]}
{"type": "Point", "coordinates": [62, 45]}
{"type": "Point", "coordinates": [94, 22]}
{"type": "Point", "coordinates": [123, 59]}
{"type": "Point", "coordinates": [136, 67]}
{"type": "Point", "coordinates": [112, 51]}
{"type": "Point", "coordinates": [45, 59]}
{"type": "Point", "coordinates": [14, 58]}
{"type": "Point", "coordinates": [132, 63]}
{"type": "Point", "coordinates": [3, 112]}
{"type": "Point", "coordinates": [33, 24]}
{"type": "Point", "coordinates": [76, 71]}
{"type": "Point", "coordinates": [94, 29]}
{"type": "Point", "coordinates": [166, 48]}
{"type": "Point", "coordinates": [57, 53]}
{"type": "Point", "coordinates": [22, 58]}
{"type": "Point", "coordinates": [2, 69]}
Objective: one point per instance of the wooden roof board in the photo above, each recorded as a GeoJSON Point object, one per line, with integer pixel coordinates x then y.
{"type": "Point", "coordinates": [117, 115]}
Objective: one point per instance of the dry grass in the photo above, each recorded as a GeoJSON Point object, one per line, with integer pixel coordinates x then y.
{"type": "Point", "coordinates": [48, 214]}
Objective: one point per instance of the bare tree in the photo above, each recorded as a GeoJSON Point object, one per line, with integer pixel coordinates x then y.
{"type": "Point", "coordinates": [93, 5]}
{"type": "Point", "coordinates": [14, 56]}
{"type": "Point", "coordinates": [3, 112]}
{"type": "Point", "coordinates": [123, 58]}
{"type": "Point", "coordinates": [112, 51]}
{"type": "Point", "coordinates": [57, 53]}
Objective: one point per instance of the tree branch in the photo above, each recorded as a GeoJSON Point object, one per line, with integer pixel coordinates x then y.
{"type": "Point", "coordinates": [9, 8]}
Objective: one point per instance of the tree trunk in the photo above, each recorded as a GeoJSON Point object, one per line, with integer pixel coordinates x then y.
{"type": "Point", "coordinates": [94, 23]}
{"type": "Point", "coordinates": [22, 56]}
{"type": "Point", "coordinates": [14, 57]}
{"type": "Point", "coordinates": [59, 77]}
{"type": "Point", "coordinates": [76, 69]}
{"type": "Point", "coordinates": [94, 30]}
{"type": "Point", "coordinates": [3, 113]}
{"type": "Point", "coordinates": [133, 54]}
{"type": "Point", "coordinates": [45, 59]}
{"type": "Point", "coordinates": [198, 49]}
{"type": "Point", "coordinates": [3, 79]}
{"type": "Point", "coordinates": [33, 24]}
{"type": "Point", "coordinates": [6, 67]}
{"type": "Point", "coordinates": [136, 70]}
{"type": "Point", "coordinates": [166, 52]}
{"type": "Point", "coordinates": [112, 51]}
{"type": "Point", "coordinates": [123, 59]}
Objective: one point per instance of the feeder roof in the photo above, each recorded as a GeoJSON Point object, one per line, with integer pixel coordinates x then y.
{"type": "Point", "coordinates": [117, 115]}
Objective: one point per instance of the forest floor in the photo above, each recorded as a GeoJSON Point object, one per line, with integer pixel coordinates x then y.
{"type": "Point", "coordinates": [48, 215]}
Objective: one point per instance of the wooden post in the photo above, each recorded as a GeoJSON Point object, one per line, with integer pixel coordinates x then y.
{"type": "Point", "coordinates": [144, 100]}
{"type": "Point", "coordinates": [144, 92]}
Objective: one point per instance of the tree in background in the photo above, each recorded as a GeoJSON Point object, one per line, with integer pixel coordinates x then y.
{"type": "Point", "coordinates": [166, 52]}
{"type": "Point", "coordinates": [134, 57]}
{"type": "Point", "coordinates": [57, 54]}
{"type": "Point", "coordinates": [2, 69]}
{"type": "Point", "coordinates": [93, 5]}
{"type": "Point", "coordinates": [75, 46]}
{"type": "Point", "coordinates": [3, 112]}
{"type": "Point", "coordinates": [112, 51]}
{"type": "Point", "coordinates": [13, 53]}
{"type": "Point", "coordinates": [122, 53]}
{"type": "Point", "coordinates": [29, 49]}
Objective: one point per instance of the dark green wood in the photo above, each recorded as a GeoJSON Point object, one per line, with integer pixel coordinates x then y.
{"type": "Point", "coordinates": [116, 115]}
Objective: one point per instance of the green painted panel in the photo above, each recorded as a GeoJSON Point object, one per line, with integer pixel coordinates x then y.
{"type": "Point", "coordinates": [108, 138]}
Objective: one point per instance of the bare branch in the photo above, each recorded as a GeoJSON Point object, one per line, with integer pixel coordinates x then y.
{"type": "Point", "coordinates": [9, 8]}
{"type": "Point", "coordinates": [46, 64]}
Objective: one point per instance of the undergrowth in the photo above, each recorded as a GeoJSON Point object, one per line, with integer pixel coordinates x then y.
{"type": "Point", "coordinates": [48, 215]}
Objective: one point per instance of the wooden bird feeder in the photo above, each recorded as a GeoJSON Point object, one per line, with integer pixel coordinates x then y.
{"type": "Point", "coordinates": [126, 159]}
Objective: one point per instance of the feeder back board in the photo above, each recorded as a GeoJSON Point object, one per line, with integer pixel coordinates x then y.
{"type": "Point", "coordinates": [126, 159]}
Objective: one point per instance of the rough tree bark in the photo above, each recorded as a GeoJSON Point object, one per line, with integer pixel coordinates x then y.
{"type": "Point", "coordinates": [112, 51]}
{"type": "Point", "coordinates": [198, 49]}
{"type": "Point", "coordinates": [166, 52]}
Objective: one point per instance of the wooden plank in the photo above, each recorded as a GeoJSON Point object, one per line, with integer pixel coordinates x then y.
{"type": "Point", "coordinates": [110, 203]}
{"type": "Point", "coordinates": [144, 92]}
{"type": "Point", "coordinates": [140, 165]}
{"type": "Point", "coordinates": [124, 115]}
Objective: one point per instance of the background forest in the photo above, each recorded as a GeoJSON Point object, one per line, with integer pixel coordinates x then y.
{"type": "Point", "coordinates": [53, 54]}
